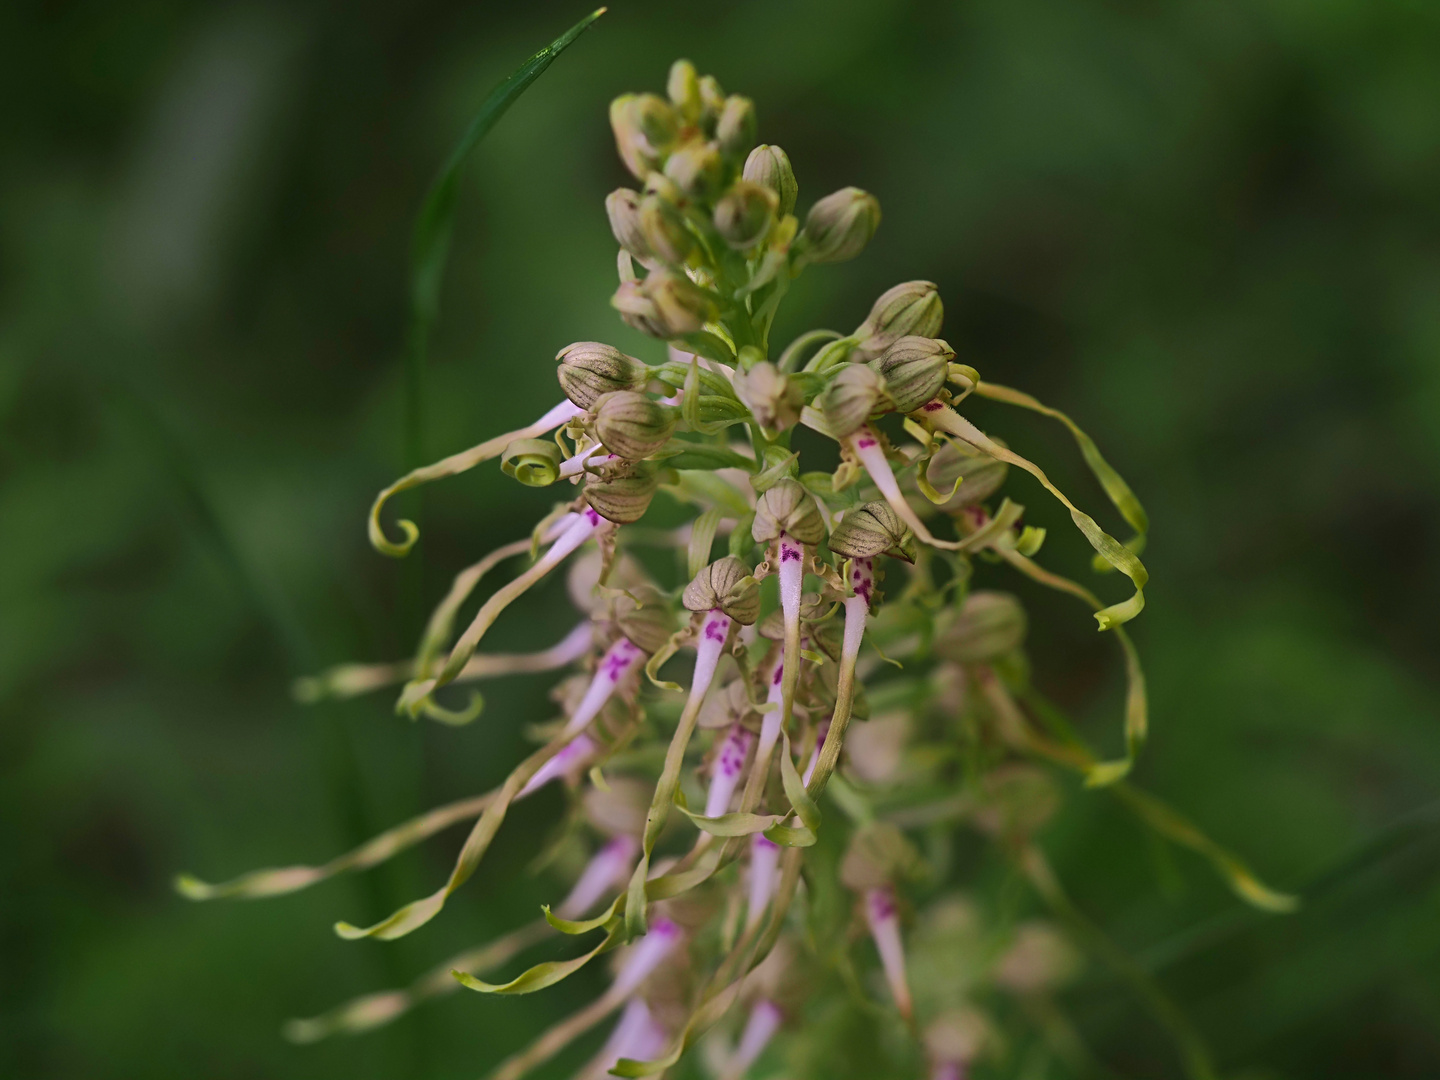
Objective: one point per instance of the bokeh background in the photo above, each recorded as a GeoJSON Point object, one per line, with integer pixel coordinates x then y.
{"type": "Point", "coordinates": [1211, 232]}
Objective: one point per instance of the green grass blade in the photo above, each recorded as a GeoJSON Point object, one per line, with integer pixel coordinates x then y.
{"type": "Point", "coordinates": [430, 243]}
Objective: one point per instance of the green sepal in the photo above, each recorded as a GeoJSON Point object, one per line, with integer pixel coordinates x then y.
{"type": "Point", "coordinates": [736, 824]}
{"type": "Point", "coordinates": [541, 975]}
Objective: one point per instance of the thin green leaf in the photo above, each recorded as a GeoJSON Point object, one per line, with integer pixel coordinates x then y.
{"type": "Point", "coordinates": [541, 975]}
{"type": "Point", "coordinates": [430, 241]}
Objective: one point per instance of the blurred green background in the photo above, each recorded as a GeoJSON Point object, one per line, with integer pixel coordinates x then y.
{"type": "Point", "coordinates": [1211, 232]}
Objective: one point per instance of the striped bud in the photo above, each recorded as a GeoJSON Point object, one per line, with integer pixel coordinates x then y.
{"type": "Point", "coordinates": [534, 462]}
{"type": "Point", "coordinates": [769, 166]}
{"type": "Point", "coordinates": [590, 369]}
{"type": "Point", "coordinates": [663, 228]}
{"type": "Point", "coordinates": [665, 305]}
{"type": "Point", "coordinates": [840, 225]}
{"type": "Point", "coordinates": [855, 395]}
{"type": "Point", "coordinates": [787, 507]}
{"type": "Point", "coordinates": [632, 425]}
{"type": "Point", "coordinates": [775, 400]}
{"type": "Point", "coordinates": [744, 214]}
{"type": "Point", "coordinates": [735, 129]}
{"type": "Point", "coordinates": [622, 499]}
{"type": "Point", "coordinates": [915, 370]}
{"type": "Point", "coordinates": [697, 170]}
{"type": "Point", "coordinates": [649, 625]}
{"type": "Point", "coordinates": [988, 625]}
{"type": "Point", "coordinates": [622, 206]}
{"type": "Point", "coordinates": [644, 125]}
{"type": "Point", "coordinates": [910, 308]}
{"type": "Point", "coordinates": [870, 530]}
{"type": "Point", "coordinates": [979, 475]}
{"type": "Point", "coordinates": [725, 584]}
{"type": "Point", "coordinates": [683, 86]}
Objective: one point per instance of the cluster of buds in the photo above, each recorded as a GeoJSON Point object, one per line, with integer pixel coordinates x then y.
{"type": "Point", "coordinates": [749, 839]}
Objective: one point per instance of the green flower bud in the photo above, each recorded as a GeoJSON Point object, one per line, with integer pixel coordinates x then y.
{"type": "Point", "coordinates": [856, 394]}
{"type": "Point", "coordinates": [622, 499]}
{"type": "Point", "coordinates": [664, 229]}
{"type": "Point", "coordinates": [633, 120]}
{"type": "Point", "coordinates": [656, 120]}
{"type": "Point", "coordinates": [915, 370]}
{"type": "Point", "coordinates": [910, 308]}
{"type": "Point", "coordinates": [959, 1035]}
{"type": "Point", "coordinates": [665, 305]}
{"type": "Point", "coordinates": [840, 225]}
{"type": "Point", "coordinates": [983, 475]}
{"type": "Point", "coordinates": [622, 206]}
{"type": "Point", "coordinates": [725, 584]}
{"type": "Point", "coordinates": [877, 855]}
{"type": "Point", "coordinates": [743, 216]}
{"type": "Point", "coordinates": [988, 625]}
{"type": "Point", "coordinates": [632, 425]}
{"type": "Point", "coordinates": [769, 166]}
{"type": "Point", "coordinates": [735, 130]}
{"type": "Point", "coordinates": [787, 507]}
{"type": "Point", "coordinates": [648, 624]}
{"type": "Point", "coordinates": [812, 606]}
{"type": "Point", "coordinates": [590, 369]}
{"type": "Point", "coordinates": [697, 170]}
{"type": "Point", "coordinates": [870, 530]}
{"type": "Point", "coordinates": [534, 462]}
{"type": "Point", "coordinates": [1019, 800]}
{"type": "Point", "coordinates": [683, 86]}
{"type": "Point", "coordinates": [1039, 959]}
{"type": "Point", "coordinates": [775, 400]}
{"type": "Point", "coordinates": [712, 99]}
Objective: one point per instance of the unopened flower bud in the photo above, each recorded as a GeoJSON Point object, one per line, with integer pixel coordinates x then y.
{"type": "Point", "coordinates": [915, 369]}
{"type": "Point", "coordinates": [856, 394]}
{"type": "Point", "coordinates": [769, 166]}
{"type": "Point", "coordinates": [622, 206]}
{"type": "Point", "coordinates": [663, 229]}
{"type": "Point", "coordinates": [622, 499]}
{"type": "Point", "coordinates": [735, 130]}
{"type": "Point", "coordinates": [697, 170]}
{"type": "Point", "coordinates": [712, 98]}
{"type": "Point", "coordinates": [870, 530]}
{"type": "Point", "coordinates": [725, 584]}
{"type": "Point", "coordinates": [590, 369]}
{"type": "Point", "coordinates": [774, 399]}
{"type": "Point", "coordinates": [618, 809]}
{"type": "Point", "coordinates": [979, 475]}
{"type": "Point", "coordinates": [534, 462]}
{"type": "Point", "coordinates": [956, 1038]}
{"type": "Point", "coordinates": [1039, 959]}
{"type": "Point", "coordinates": [665, 305]}
{"type": "Point", "coordinates": [650, 625]}
{"type": "Point", "coordinates": [910, 308]}
{"type": "Point", "coordinates": [789, 508]}
{"type": "Point", "coordinates": [1018, 800]}
{"type": "Point", "coordinates": [988, 625]}
{"type": "Point", "coordinates": [744, 214]}
{"type": "Point", "coordinates": [642, 130]}
{"type": "Point", "coordinates": [877, 855]}
{"type": "Point", "coordinates": [840, 225]}
{"type": "Point", "coordinates": [632, 425]}
{"type": "Point", "coordinates": [683, 86]}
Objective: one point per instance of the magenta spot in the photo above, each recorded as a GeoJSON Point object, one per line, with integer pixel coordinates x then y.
{"type": "Point", "coordinates": [765, 842]}
{"type": "Point", "coordinates": [862, 590]}
{"type": "Point", "coordinates": [715, 631]}
{"type": "Point", "coordinates": [592, 516]}
{"type": "Point", "coordinates": [779, 672]}
{"type": "Point", "coordinates": [932, 406]}
{"type": "Point", "coordinates": [882, 907]}
{"type": "Point", "coordinates": [865, 444]}
{"type": "Point", "coordinates": [789, 554]}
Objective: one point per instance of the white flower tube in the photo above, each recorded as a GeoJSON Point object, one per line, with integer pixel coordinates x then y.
{"type": "Point", "coordinates": [883, 916]}
{"type": "Point", "coordinates": [636, 1035]}
{"type": "Point", "coordinates": [760, 1028]}
{"type": "Point", "coordinates": [729, 764]}
{"type": "Point", "coordinates": [644, 957]}
{"type": "Point", "coordinates": [607, 869]}
{"type": "Point", "coordinates": [581, 529]}
{"type": "Point", "coordinates": [764, 875]}
{"type": "Point", "coordinates": [865, 445]}
{"type": "Point", "coordinates": [569, 761]}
